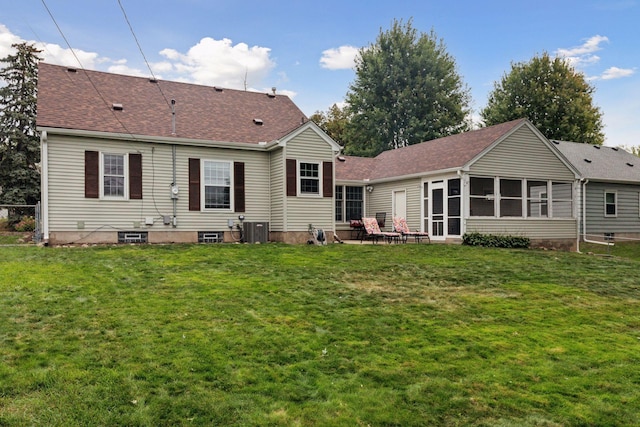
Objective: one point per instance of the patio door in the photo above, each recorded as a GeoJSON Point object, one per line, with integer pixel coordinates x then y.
{"type": "Point", "coordinates": [400, 203]}
{"type": "Point", "coordinates": [437, 211]}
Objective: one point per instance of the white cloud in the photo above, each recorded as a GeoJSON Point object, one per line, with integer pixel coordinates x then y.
{"type": "Point", "coordinates": [209, 62]}
{"type": "Point", "coordinates": [219, 62]}
{"type": "Point", "coordinates": [584, 54]}
{"type": "Point", "coordinates": [342, 58]}
{"type": "Point", "coordinates": [616, 73]}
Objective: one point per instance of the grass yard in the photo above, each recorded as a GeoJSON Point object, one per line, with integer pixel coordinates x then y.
{"type": "Point", "coordinates": [342, 335]}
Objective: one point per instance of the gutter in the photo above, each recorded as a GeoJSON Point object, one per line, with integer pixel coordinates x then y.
{"type": "Point", "coordinates": [584, 217]}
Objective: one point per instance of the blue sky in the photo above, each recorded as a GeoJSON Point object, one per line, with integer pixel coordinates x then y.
{"type": "Point", "coordinates": [306, 49]}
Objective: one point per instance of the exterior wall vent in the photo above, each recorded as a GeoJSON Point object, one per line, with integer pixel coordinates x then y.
{"type": "Point", "coordinates": [71, 70]}
{"type": "Point", "coordinates": [117, 107]}
{"type": "Point", "coordinates": [152, 80]}
{"type": "Point", "coordinates": [256, 232]}
{"type": "Point", "coordinates": [218, 89]}
{"type": "Point", "coordinates": [133, 236]}
{"type": "Point", "coordinates": [259, 122]}
{"type": "Point", "coordinates": [210, 236]}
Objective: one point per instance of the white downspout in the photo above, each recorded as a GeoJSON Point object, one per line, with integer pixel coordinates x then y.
{"type": "Point", "coordinates": [584, 217]}
{"type": "Point", "coordinates": [44, 181]}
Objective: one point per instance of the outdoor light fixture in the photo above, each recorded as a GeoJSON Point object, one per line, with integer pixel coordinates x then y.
{"type": "Point", "coordinates": [241, 218]}
{"type": "Point", "coordinates": [369, 188]}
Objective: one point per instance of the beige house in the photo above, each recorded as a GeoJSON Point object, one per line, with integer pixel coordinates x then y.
{"type": "Point", "coordinates": [130, 159]}
{"type": "Point", "coordinates": [503, 179]}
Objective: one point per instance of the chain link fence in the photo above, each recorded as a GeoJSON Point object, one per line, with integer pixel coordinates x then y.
{"type": "Point", "coordinates": [25, 218]}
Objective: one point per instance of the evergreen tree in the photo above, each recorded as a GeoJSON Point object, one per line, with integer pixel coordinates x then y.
{"type": "Point", "coordinates": [406, 91]}
{"type": "Point", "coordinates": [552, 95]}
{"type": "Point", "coordinates": [19, 142]}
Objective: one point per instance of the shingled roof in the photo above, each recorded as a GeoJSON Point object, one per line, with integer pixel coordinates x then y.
{"type": "Point", "coordinates": [449, 152]}
{"type": "Point", "coordinates": [104, 102]}
{"type": "Point", "coordinates": [601, 162]}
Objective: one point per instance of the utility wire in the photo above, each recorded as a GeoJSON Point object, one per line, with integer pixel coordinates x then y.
{"type": "Point", "coordinates": [141, 51]}
{"type": "Point", "coordinates": [44, 3]}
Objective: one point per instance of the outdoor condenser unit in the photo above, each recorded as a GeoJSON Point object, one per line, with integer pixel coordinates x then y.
{"type": "Point", "coordinates": [256, 232]}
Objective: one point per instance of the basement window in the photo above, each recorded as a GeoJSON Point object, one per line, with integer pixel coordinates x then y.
{"type": "Point", "coordinates": [133, 236]}
{"type": "Point", "coordinates": [210, 236]}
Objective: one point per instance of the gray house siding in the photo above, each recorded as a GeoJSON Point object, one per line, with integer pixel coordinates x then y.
{"type": "Point", "coordinates": [381, 200]}
{"type": "Point", "coordinates": [627, 219]}
{"type": "Point", "coordinates": [277, 182]}
{"type": "Point", "coordinates": [304, 210]}
{"type": "Point", "coordinates": [522, 155]}
{"type": "Point", "coordinates": [71, 212]}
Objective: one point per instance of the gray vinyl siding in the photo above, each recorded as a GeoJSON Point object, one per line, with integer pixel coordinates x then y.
{"type": "Point", "coordinates": [522, 155]}
{"type": "Point", "coordinates": [531, 228]}
{"type": "Point", "coordinates": [381, 200]}
{"type": "Point", "coordinates": [304, 210]}
{"type": "Point", "coordinates": [68, 206]}
{"type": "Point", "coordinates": [627, 219]}
{"type": "Point", "coordinates": [278, 183]}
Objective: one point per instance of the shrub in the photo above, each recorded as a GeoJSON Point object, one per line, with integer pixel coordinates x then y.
{"type": "Point", "coordinates": [27, 223]}
{"type": "Point", "coordinates": [495, 240]}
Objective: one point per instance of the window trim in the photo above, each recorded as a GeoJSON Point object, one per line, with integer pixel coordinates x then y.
{"type": "Point", "coordinates": [343, 202]}
{"type": "Point", "coordinates": [520, 198]}
{"type": "Point", "coordinates": [319, 178]}
{"type": "Point", "coordinates": [203, 186]}
{"type": "Point", "coordinates": [615, 204]}
{"type": "Point", "coordinates": [125, 169]}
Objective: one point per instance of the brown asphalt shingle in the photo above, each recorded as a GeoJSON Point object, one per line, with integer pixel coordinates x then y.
{"type": "Point", "coordinates": [439, 154]}
{"type": "Point", "coordinates": [83, 100]}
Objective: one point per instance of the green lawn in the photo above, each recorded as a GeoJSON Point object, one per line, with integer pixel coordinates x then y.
{"type": "Point", "coordinates": [346, 335]}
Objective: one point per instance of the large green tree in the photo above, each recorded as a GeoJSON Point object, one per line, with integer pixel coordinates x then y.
{"type": "Point", "coordinates": [333, 122]}
{"type": "Point", "coordinates": [19, 143]}
{"type": "Point", "coordinates": [407, 90]}
{"type": "Point", "coordinates": [552, 95]}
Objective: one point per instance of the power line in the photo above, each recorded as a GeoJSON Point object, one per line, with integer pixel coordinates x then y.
{"type": "Point", "coordinates": [141, 51]}
{"type": "Point", "coordinates": [44, 3]}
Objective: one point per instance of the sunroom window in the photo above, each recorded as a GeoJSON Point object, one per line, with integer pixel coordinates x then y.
{"type": "Point", "coordinates": [510, 197]}
{"type": "Point", "coordinates": [482, 196]}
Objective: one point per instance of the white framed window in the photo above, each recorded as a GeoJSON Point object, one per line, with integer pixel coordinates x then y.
{"type": "Point", "coordinates": [561, 200]}
{"type": "Point", "coordinates": [217, 184]}
{"type": "Point", "coordinates": [537, 199]}
{"type": "Point", "coordinates": [309, 178]}
{"type": "Point", "coordinates": [610, 203]}
{"type": "Point", "coordinates": [349, 203]}
{"type": "Point", "coordinates": [114, 176]}
{"type": "Point", "coordinates": [482, 196]}
{"type": "Point", "coordinates": [511, 198]}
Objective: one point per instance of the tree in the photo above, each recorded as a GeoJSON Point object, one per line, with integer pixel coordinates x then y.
{"type": "Point", "coordinates": [552, 95]}
{"type": "Point", "coordinates": [333, 122]}
{"type": "Point", "coordinates": [406, 91]}
{"type": "Point", "coordinates": [19, 143]}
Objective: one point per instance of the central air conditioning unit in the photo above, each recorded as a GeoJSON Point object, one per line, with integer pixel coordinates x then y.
{"type": "Point", "coordinates": [256, 232]}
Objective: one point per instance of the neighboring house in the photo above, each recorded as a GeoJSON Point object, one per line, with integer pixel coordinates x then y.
{"type": "Point", "coordinates": [609, 197]}
{"type": "Point", "coordinates": [503, 179]}
{"type": "Point", "coordinates": [134, 159]}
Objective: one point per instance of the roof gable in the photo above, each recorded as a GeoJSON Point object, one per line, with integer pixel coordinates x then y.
{"type": "Point", "coordinates": [602, 163]}
{"type": "Point", "coordinates": [85, 100]}
{"type": "Point", "coordinates": [451, 152]}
